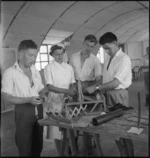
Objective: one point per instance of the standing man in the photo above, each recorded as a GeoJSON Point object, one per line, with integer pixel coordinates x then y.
{"type": "Point", "coordinates": [87, 69]}
{"type": "Point", "coordinates": [145, 69]}
{"type": "Point", "coordinates": [20, 86]}
{"type": "Point", "coordinates": [117, 74]}
{"type": "Point", "coordinates": [86, 65]}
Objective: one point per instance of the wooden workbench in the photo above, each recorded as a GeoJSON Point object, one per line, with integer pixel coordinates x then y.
{"type": "Point", "coordinates": [117, 128]}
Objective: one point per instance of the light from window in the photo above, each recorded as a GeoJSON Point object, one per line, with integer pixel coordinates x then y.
{"type": "Point", "coordinates": [43, 64]}
{"type": "Point", "coordinates": [44, 57]}
{"type": "Point", "coordinates": [37, 65]}
{"type": "Point", "coordinates": [49, 48]}
{"type": "Point", "coordinates": [100, 55]}
{"type": "Point", "coordinates": [43, 49]}
{"type": "Point", "coordinates": [38, 57]}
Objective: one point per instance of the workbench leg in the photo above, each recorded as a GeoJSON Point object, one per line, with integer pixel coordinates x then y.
{"type": "Point", "coordinates": [85, 148]}
{"type": "Point", "coordinates": [98, 145]}
{"type": "Point", "coordinates": [48, 130]}
{"type": "Point", "coordinates": [126, 147]}
{"type": "Point", "coordinates": [74, 150]}
{"type": "Point", "coordinates": [61, 144]}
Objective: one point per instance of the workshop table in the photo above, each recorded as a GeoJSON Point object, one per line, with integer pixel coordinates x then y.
{"type": "Point", "coordinates": [117, 128]}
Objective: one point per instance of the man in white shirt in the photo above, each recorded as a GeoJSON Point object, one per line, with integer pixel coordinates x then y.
{"type": "Point", "coordinates": [86, 66]}
{"type": "Point", "coordinates": [21, 84]}
{"type": "Point", "coordinates": [117, 74]}
{"type": "Point", "coordinates": [87, 69]}
{"type": "Point", "coordinates": [145, 70]}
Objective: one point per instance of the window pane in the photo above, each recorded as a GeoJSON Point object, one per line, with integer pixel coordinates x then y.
{"type": "Point", "coordinates": [49, 48]}
{"type": "Point", "coordinates": [44, 57]}
{"type": "Point", "coordinates": [100, 55]}
{"type": "Point", "coordinates": [43, 49]}
{"type": "Point", "coordinates": [44, 64]}
{"type": "Point", "coordinates": [37, 65]}
{"type": "Point", "coordinates": [38, 57]}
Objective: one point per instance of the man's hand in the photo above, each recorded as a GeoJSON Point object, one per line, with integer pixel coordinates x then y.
{"type": "Point", "coordinates": [73, 87]}
{"type": "Point", "coordinates": [71, 92]}
{"type": "Point", "coordinates": [35, 100]}
{"type": "Point", "coordinates": [43, 92]}
{"type": "Point", "coordinates": [90, 89]}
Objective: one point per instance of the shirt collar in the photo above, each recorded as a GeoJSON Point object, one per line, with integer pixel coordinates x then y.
{"type": "Point", "coordinates": [79, 53]}
{"type": "Point", "coordinates": [119, 52]}
{"type": "Point", "coordinates": [16, 66]}
{"type": "Point", "coordinates": [58, 63]}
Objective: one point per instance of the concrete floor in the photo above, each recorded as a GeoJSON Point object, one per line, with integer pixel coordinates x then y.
{"type": "Point", "coordinates": [8, 147]}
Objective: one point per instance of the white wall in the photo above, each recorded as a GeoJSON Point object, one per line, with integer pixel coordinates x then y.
{"type": "Point", "coordinates": [8, 57]}
{"type": "Point", "coordinates": [135, 52]}
{"type": "Point", "coordinates": [145, 45]}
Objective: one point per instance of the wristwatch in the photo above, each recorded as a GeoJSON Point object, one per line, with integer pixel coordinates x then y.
{"type": "Point", "coordinates": [97, 87]}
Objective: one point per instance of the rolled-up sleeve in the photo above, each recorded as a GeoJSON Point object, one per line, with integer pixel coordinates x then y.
{"type": "Point", "coordinates": [7, 82]}
{"type": "Point", "coordinates": [123, 71]}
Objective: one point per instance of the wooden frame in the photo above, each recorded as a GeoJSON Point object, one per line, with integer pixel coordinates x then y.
{"type": "Point", "coordinates": [74, 110]}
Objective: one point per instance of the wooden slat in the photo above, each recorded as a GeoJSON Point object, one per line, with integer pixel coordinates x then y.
{"type": "Point", "coordinates": [85, 148]}
{"type": "Point", "coordinates": [72, 142]}
{"type": "Point", "coordinates": [98, 145]}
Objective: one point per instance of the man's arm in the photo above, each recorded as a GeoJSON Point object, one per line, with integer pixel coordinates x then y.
{"type": "Point", "coordinates": [99, 79]}
{"type": "Point", "coordinates": [106, 86]}
{"type": "Point", "coordinates": [50, 88]}
{"type": "Point", "coordinates": [21, 100]}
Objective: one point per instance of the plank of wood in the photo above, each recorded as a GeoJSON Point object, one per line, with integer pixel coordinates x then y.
{"type": "Point", "coordinates": [72, 142]}
{"type": "Point", "coordinates": [85, 148]}
{"type": "Point", "coordinates": [135, 119]}
{"type": "Point", "coordinates": [98, 145]}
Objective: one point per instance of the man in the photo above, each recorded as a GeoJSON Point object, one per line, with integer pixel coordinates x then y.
{"type": "Point", "coordinates": [87, 69]}
{"type": "Point", "coordinates": [117, 74]}
{"type": "Point", "coordinates": [145, 69]}
{"type": "Point", "coordinates": [20, 86]}
{"type": "Point", "coordinates": [86, 65]}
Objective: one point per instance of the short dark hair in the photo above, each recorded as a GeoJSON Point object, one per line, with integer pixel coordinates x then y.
{"type": "Point", "coordinates": [107, 37]}
{"type": "Point", "coordinates": [55, 47]}
{"type": "Point", "coordinates": [91, 38]}
{"type": "Point", "coordinates": [26, 44]}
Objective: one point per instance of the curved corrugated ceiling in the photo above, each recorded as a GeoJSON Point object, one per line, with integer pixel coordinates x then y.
{"type": "Point", "coordinates": [53, 21]}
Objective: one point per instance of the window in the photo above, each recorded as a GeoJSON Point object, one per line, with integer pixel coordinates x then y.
{"type": "Point", "coordinates": [43, 57]}
{"type": "Point", "coordinates": [100, 55]}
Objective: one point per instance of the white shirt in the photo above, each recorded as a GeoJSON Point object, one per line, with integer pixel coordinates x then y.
{"type": "Point", "coordinates": [90, 69]}
{"type": "Point", "coordinates": [61, 76]}
{"type": "Point", "coordinates": [119, 68]}
{"type": "Point", "coordinates": [16, 83]}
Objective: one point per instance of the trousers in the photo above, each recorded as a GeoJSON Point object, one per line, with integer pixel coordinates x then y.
{"type": "Point", "coordinates": [117, 96]}
{"type": "Point", "coordinates": [28, 134]}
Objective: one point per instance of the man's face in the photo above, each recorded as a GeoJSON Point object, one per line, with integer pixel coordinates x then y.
{"type": "Point", "coordinates": [29, 57]}
{"type": "Point", "coordinates": [110, 48]}
{"type": "Point", "coordinates": [58, 55]}
{"type": "Point", "coordinates": [88, 46]}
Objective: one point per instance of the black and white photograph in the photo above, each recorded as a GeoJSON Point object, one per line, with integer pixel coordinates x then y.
{"type": "Point", "coordinates": [74, 78]}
